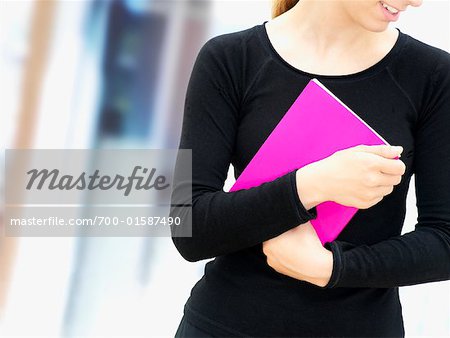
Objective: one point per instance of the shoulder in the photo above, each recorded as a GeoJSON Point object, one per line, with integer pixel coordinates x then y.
{"type": "Point", "coordinates": [419, 69]}
{"type": "Point", "coordinates": [232, 42]}
{"type": "Point", "coordinates": [232, 60]}
{"type": "Point", "coordinates": [434, 60]}
{"type": "Point", "coordinates": [423, 47]}
{"type": "Point", "coordinates": [239, 52]}
{"type": "Point", "coordinates": [423, 56]}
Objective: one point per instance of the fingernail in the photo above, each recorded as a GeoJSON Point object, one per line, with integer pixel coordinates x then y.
{"type": "Point", "coordinates": [398, 149]}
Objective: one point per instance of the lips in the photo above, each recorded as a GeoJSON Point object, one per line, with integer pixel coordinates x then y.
{"type": "Point", "coordinates": [391, 9]}
{"type": "Point", "coordinates": [389, 12]}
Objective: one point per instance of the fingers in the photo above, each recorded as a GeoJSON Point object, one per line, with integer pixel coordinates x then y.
{"type": "Point", "coordinates": [390, 167]}
{"type": "Point", "coordinates": [381, 150]}
{"type": "Point", "coordinates": [383, 162]}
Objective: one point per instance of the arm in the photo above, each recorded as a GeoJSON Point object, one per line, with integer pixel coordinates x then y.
{"type": "Point", "coordinates": [422, 255]}
{"type": "Point", "coordinates": [225, 222]}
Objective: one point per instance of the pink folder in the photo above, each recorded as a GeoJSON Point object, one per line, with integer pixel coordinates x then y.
{"type": "Point", "coordinates": [315, 126]}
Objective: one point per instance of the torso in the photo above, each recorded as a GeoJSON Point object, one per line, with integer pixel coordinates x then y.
{"type": "Point", "coordinates": [240, 295]}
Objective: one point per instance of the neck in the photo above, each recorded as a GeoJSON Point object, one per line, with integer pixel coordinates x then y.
{"type": "Point", "coordinates": [327, 25]}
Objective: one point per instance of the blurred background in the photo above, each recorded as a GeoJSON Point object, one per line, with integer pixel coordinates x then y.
{"type": "Point", "coordinates": [113, 74]}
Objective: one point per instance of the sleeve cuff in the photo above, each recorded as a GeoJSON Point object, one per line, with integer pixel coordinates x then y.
{"type": "Point", "coordinates": [338, 264]}
{"type": "Point", "coordinates": [303, 214]}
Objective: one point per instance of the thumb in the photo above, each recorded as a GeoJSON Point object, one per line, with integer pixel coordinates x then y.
{"type": "Point", "coordinates": [383, 150]}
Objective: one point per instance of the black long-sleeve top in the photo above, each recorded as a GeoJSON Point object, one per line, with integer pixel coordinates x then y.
{"type": "Point", "coordinates": [239, 89]}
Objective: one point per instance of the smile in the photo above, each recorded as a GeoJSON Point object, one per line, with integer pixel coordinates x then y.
{"type": "Point", "coordinates": [390, 13]}
{"type": "Point", "coordinates": [390, 8]}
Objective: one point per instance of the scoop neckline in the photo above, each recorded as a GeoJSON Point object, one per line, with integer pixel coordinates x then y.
{"type": "Point", "coordinates": [362, 73]}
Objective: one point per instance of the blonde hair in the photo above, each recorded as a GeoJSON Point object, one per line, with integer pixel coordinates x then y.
{"type": "Point", "coordinates": [281, 6]}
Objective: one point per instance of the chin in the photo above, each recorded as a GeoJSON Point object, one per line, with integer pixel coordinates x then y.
{"type": "Point", "coordinates": [376, 27]}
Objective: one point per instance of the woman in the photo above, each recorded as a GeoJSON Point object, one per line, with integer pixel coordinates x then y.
{"type": "Point", "coordinates": [271, 276]}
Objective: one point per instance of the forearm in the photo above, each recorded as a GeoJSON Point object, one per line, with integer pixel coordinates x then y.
{"type": "Point", "coordinates": [417, 257]}
{"type": "Point", "coordinates": [320, 275]}
{"type": "Point", "coordinates": [225, 222]}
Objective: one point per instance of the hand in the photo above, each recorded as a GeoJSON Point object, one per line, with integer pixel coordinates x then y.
{"type": "Point", "coordinates": [298, 253]}
{"type": "Point", "coordinates": [358, 176]}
